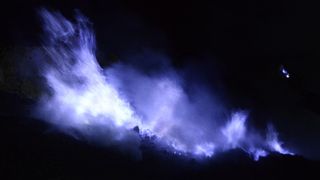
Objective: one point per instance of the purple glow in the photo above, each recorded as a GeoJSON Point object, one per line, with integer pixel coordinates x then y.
{"type": "Point", "coordinates": [106, 104]}
{"type": "Point", "coordinates": [274, 143]}
{"type": "Point", "coordinates": [235, 130]}
{"type": "Point", "coordinates": [285, 72]}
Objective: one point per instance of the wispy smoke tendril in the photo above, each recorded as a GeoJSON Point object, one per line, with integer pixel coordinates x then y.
{"type": "Point", "coordinates": [107, 104]}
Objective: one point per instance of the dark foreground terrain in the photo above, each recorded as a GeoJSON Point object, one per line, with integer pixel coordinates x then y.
{"type": "Point", "coordinates": [236, 48]}
{"type": "Point", "coordinates": [31, 149]}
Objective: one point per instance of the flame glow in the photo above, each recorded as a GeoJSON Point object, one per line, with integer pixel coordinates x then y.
{"type": "Point", "coordinates": [110, 103]}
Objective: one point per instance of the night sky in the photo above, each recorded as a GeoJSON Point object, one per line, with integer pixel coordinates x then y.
{"type": "Point", "coordinates": [235, 49]}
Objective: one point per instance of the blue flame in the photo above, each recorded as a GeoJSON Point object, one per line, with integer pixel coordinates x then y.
{"type": "Point", "coordinates": [106, 104]}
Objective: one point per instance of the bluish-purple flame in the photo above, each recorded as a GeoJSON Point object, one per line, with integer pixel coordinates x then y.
{"type": "Point", "coordinates": [106, 104]}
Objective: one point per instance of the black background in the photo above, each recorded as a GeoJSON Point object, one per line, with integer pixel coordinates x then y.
{"type": "Point", "coordinates": [234, 47]}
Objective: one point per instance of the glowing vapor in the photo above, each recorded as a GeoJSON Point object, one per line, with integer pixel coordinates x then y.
{"type": "Point", "coordinates": [107, 104]}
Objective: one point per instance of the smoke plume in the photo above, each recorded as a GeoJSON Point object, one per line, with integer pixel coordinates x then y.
{"type": "Point", "coordinates": [120, 105]}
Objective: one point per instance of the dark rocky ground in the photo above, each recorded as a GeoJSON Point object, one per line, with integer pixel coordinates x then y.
{"type": "Point", "coordinates": [234, 47]}
{"type": "Point", "coordinates": [31, 150]}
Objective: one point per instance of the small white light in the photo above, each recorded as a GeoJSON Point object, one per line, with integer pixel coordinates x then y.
{"type": "Point", "coordinates": [285, 72]}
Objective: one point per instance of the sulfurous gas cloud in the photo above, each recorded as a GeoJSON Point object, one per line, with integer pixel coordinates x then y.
{"type": "Point", "coordinates": [120, 105]}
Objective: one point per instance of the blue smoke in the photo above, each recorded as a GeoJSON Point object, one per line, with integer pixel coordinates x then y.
{"type": "Point", "coordinates": [105, 105]}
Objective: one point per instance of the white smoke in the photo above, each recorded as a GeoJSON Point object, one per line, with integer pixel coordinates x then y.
{"type": "Point", "coordinates": [107, 104]}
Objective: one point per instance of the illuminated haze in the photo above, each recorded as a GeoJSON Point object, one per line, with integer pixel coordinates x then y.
{"type": "Point", "coordinates": [121, 105]}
